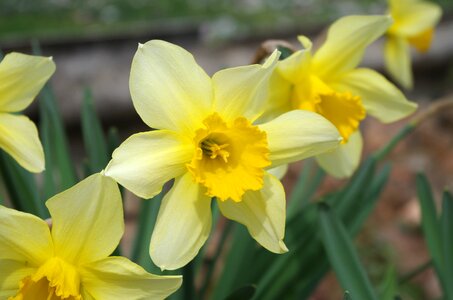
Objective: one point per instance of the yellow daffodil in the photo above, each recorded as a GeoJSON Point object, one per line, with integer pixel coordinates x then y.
{"type": "Point", "coordinates": [207, 141]}
{"type": "Point", "coordinates": [71, 260]}
{"type": "Point", "coordinates": [21, 78]}
{"type": "Point", "coordinates": [414, 22]}
{"type": "Point", "coordinates": [329, 83]}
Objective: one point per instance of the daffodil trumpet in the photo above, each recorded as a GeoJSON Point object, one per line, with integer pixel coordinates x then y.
{"type": "Point", "coordinates": [21, 78]}
{"type": "Point", "coordinates": [207, 141]}
{"type": "Point", "coordinates": [414, 22]}
{"type": "Point", "coordinates": [329, 83]}
{"type": "Point", "coordinates": [71, 260]}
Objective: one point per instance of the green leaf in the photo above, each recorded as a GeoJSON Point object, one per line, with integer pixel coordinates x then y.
{"type": "Point", "coordinates": [286, 275]}
{"type": "Point", "coordinates": [60, 172]}
{"type": "Point", "coordinates": [342, 255]}
{"type": "Point", "coordinates": [389, 285]}
{"type": "Point", "coordinates": [242, 293]}
{"type": "Point", "coordinates": [21, 187]}
{"type": "Point", "coordinates": [93, 136]}
{"type": "Point", "coordinates": [146, 220]}
{"type": "Point", "coordinates": [238, 262]}
{"type": "Point", "coordinates": [347, 296]}
{"type": "Point", "coordinates": [447, 244]}
{"type": "Point", "coordinates": [58, 160]}
{"type": "Point", "coordinates": [309, 180]}
{"type": "Point", "coordinates": [430, 221]}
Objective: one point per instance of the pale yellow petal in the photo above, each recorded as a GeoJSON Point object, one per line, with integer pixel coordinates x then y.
{"type": "Point", "coordinates": [21, 78]}
{"type": "Point", "coordinates": [183, 224]}
{"type": "Point", "coordinates": [19, 138]}
{"type": "Point", "coordinates": [279, 99]}
{"type": "Point", "coordinates": [145, 161]}
{"type": "Point", "coordinates": [24, 237]}
{"type": "Point", "coordinates": [242, 91]}
{"type": "Point", "coordinates": [299, 134]}
{"type": "Point", "coordinates": [344, 160]}
{"type": "Point", "coordinates": [346, 42]}
{"type": "Point", "coordinates": [263, 212]}
{"type": "Point", "coordinates": [117, 278]}
{"type": "Point", "coordinates": [380, 98]}
{"type": "Point", "coordinates": [296, 67]}
{"type": "Point", "coordinates": [168, 88]}
{"type": "Point", "coordinates": [87, 220]}
{"type": "Point", "coordinates": [279, 172]}
{"type": "Point", "coordinates": [398, 60]}
{"type": "Point", "coordinates": [12, 272]}
{"type": "Point", "coordinates": [412, 17]}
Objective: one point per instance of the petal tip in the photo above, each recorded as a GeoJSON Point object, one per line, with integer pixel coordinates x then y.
{"type": "Point", "coordinates": [283, 248]}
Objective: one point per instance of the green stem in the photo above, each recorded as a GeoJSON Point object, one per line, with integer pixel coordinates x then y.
{"type": "Point", "coordinates": [213, 261]}
{"type": "Point", "coordinates": [432, 110]}
{"type": "Point", "coordinates": [384, 151]}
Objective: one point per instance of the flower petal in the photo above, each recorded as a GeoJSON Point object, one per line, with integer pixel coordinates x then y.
{"type": "Point", "coordinates": [21, 78]}
{"type": "Point", "coordinates": [398, 60]}
{"type": "Point", "coordinates": [19, 138]}
{"type": "Point", "coordinates": [299, 134]}
{"type": "Point", "coordinates": [241, 91]}
{"type": "Point", "coordinates": [145, 161]}
{"type": "Point", "coordinates": [168, 88]}
{"type": "Point", "coordinates": [262, 212]}
{"type": "Point", "coordinates": [24, 237]}
{"type": "Point", "coordinates": [346, 41]}
{"type": "Point", "coordinates": [412, 17]}
{"type": "Point", "coordinates": [12, 273]}
{"type": "Point", "coordinates": [343, 161]}
{"type": "Point", "coordinates": [119, 278]}
{"type": "Point", "coordinates": [295, 68]}
{"type": "Point", "coordinates": [279, 172]}
{"type": "Point", "coordinates": [183, 224]}
{"type": "Point", "coordinates": [381, 98]}
{"type": "Point", "coordinates": [87, 220]}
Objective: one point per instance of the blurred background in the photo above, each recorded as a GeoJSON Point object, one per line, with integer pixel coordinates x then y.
{"type": "Point", "coordinates": [93, 42]}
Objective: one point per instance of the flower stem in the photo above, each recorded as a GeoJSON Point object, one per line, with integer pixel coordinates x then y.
{"type": "Point", "coordinates": [432, 110]}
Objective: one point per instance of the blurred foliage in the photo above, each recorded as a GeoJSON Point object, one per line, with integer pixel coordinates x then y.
{"type": "Point", "coordinates": [57, 19]}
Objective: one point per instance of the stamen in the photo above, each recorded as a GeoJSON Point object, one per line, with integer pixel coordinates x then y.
{"type": "Point", "coordinates": [212, 149]}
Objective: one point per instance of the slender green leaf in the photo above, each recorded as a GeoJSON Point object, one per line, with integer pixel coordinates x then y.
{"type": "Point", "coordinates": [242, 293]}
{"type": "Point", "coordinates": [63, 172]}
{"type": "Point", "coordinates": [93, 136]}
{"type": "Point", "coordinates": [63, 166]}
{"type": "Point", "coordinates": [146, 220]}
{"type": "Point", "coordinates": [113, 140]}
{"type": "Point", "coordinates": [430, 221]}
{"type": "Point", "coordinates": [389, 285]}
{"type": "Point", "coordinates": [238, 261]}
{"type": "Point", "coordinates": [309, 180]}
{"type": "Point", "coordinates": [286, 275]}
{"type": "Point", "coordinates": [21, 187]}
{"type": "Point", "coordinates": [342, 255]}
{"type": "Point", "coordinates": [447, 244]}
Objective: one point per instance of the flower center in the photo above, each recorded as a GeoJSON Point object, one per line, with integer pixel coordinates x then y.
{"type": "Point", "coordinates": [344, 110]}
{"type": "Point", "coordinates": [211, 149]}
{"type": "Point", "coordinates": [230, 158]}
{"type": "Point", "coordinates": [55, 280]}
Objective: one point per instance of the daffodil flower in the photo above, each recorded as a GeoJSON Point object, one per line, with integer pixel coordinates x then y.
{"type": "Point", "coordinates": [21, 78]}
{"type": "Point", "coordinates": [207, 141]}
{"type": "Point", "coordinates": [414, 22]}
{"type": "Point", "coordinates": [329, 83]}
{"type": "Point", "coordinates": [71, 261]}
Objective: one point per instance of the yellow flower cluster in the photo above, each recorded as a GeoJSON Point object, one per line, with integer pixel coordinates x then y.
{"type": "Point", "coordinates": [221, 138]}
